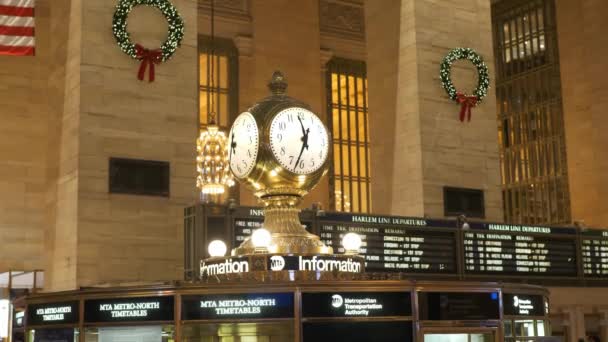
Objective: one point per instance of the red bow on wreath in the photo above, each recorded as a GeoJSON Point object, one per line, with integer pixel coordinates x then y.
{"type": "Point", "coordinates": [466, 103]}
{"type": "Point", "coordinates": [150, 57]}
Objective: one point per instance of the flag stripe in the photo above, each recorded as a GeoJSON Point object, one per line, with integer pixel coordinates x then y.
{"type": "Point", "coordinates": [16, 31]}
{"type": "Point", "coordinates": [17, 11]}
{"type": "Point", "coordinates": [16, 41]}
{"type": "Point", "coordinates": [17, 50]}
{"type": "Point", "coordinates": [17, 3]}
{"type": "Point", "coordinates": [17, 28]}
{"type": "Point", "coordinates": [6, 20]}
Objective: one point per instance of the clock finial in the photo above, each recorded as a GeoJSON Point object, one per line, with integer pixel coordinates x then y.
{"type": "Point", "coordinates": [278, 84]}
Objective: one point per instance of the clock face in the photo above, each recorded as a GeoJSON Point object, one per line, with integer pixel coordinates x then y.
{"type": "Point", "coordinates": [243, 143]}
{"type": "Point", "coordinates": [299, 140]}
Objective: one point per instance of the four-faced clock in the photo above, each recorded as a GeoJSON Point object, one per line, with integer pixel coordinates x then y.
{"type": "Point", "coordinates": [298, 140]}
{"type": "Point", "coordinates": [243, 145]}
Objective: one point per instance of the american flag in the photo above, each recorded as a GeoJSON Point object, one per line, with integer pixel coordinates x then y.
{"type": "Point", "coordinates": [17, 27]}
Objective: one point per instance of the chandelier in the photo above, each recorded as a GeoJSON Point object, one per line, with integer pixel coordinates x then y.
{"type": "Point", "coordinates": [212, 161]}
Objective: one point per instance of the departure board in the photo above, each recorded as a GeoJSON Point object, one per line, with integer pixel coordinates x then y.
{"type": "Point", "coordinates": [520, 250]}
{"type": "Point", "coordinates": [397, 244]}
{"type": "Point", "coordinates": [594, 251]}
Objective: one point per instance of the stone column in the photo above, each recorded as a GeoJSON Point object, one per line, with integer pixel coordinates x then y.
{"type": "Point", "coordinates": [418, 143]}
{"type": "Point", "coordinates": [575, 321]}
{"type": "Point", "coordinates": [580, 26]}
{"type": "Point", "coordinates": [96, 236]}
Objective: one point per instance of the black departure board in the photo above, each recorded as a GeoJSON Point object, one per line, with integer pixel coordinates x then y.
{"type": "Point", "coordinates": [594, 249]}
{"type": "Point", "coordinates": [397, 244]}
{"type": "Point", "coordinates": [425, 247]}
{"type": "Point", "coordinates": [520, 250]}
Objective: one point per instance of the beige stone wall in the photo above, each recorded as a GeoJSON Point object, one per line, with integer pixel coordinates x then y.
{"type": "Point", "coordinates": [24, 128]}
{"type": "Point", "coordinates": [581, 27]}
{"type": "Point", "coordinates": [420, 146]}
{"type": "Point", "coordinates": [127, 237]}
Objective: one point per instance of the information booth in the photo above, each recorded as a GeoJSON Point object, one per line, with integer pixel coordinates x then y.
{"type": "Point", "coordinates": [276, 311]}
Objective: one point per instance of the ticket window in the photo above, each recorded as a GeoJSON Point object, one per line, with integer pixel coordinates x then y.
{"type": "Point", "coordinates": [239, 332]}
{"type": "Point", "coordinates": [152, 333]}
{"type": "Point", "coordinates": [525, 329]}
{"type": "Point", "coordinates": [53, 335]}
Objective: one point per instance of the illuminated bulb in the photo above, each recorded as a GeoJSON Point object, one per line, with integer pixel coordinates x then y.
{"type": "Point", "coordinates": [351, 243]}
{"type": "Point", "coordinates": [217, 248]}
{"type": "Point", "coordinates": [261, 239]}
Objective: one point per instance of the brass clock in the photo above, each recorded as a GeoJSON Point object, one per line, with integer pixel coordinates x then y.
{"type": "Point", "coordinates": [279, 149]}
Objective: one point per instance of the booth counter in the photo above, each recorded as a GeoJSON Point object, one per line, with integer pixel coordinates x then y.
{"type": "Point", "coordinates": [363, 310]}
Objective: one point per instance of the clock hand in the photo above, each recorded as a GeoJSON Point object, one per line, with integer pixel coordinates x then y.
{"type": "Point", "coordinates": [301, 151]}
{"type": "Point", "coordinates": [302, 125]}
{"type": "Point", "coordinates": [305, 138]}
{"type": "Point", "coordinates": [232, 145]}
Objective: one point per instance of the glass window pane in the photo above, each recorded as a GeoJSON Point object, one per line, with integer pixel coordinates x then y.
{"type": "Point", "coordinates": [351, 91]}
{"type": "Point", "coordinates": [222, 72]}
{"type": "Point", "coordinates": [223, 110]}
{"type": "Point", "coordinates": [344, 123]}
{"type": "Point", "coordinates": [353, 158]}
{"type": "Point", "coordinates": [345, 160]}
{"type": "Point", "coordinates": [355, 199]}
{"type": "Point", "coordinates": [203, 107]}
{"type": "Point", "coordinates": [335, 124]}
{"type": "Point", "coordinates": [360, 94]}
{"type": "Point", "coordinates": [508, 328]}
{"type": "Point", "coordinates": [540, 328]}
{"type": "Point", "coordinates": [338, 194]}
{"type": "Point", "coordinates": [364, 208]}
{"type": "Point", "coordinates": [362, 163]}
{"type": "Point", "coordinates": [203, 69]}
{"type": "Point", "coordinates": [334, 88]}
{"type": "Point", "coordinates": [353, 125]}
{"type": "Point", "coordinates": [362, 125]}
{"type": "Point", "coordinates": [342, 91]}
{"type": "Point", "coordinates": [524, 328]}
{"type": "Point", "coordinates": [337, 158]}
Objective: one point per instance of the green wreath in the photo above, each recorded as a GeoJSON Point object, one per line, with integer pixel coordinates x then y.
{"type": "Point", "coordinates": [136, 51]}
{"type": "Point", "coordinates": [483, 81]}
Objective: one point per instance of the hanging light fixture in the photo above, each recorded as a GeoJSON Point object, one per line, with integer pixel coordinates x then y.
{"type": "Point", "coordinates": [212, 161]}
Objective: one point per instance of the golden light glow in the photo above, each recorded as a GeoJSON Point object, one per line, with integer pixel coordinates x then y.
{"type": "Point", "coordinates": [212, 162]}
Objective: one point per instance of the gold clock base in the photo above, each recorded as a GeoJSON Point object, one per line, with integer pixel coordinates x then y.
{"type": "Point", "coordinates": [281, 219]}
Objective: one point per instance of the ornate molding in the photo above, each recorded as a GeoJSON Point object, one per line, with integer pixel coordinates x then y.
{"type": "Point", "coordinates": [244, 44]}
{"type": "Point", "coordinates": [342, 19]}
{"type": "Point", "coordinates": [233, 9]}
{"type": "Point", "coordinates": [326, 55]}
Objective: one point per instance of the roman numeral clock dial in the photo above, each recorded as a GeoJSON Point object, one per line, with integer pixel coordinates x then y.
{"type": "Point", "coordinates": [243, 143]}
{"type": "Point", "coordinates": [299, 140]}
